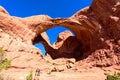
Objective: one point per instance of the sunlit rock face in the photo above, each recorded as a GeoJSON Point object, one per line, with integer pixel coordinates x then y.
{"type": "Point", "coordinates": [96, 30]}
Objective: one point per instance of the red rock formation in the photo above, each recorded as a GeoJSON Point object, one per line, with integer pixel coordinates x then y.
{"type": "Point", "coordinates": [61, 38]}
{"type": "Point", "coordinates": [68, 45]}
{"type": "Point", "coordinates": [96, 29]}
{"type": "Point", "coordinates": [96, 42]}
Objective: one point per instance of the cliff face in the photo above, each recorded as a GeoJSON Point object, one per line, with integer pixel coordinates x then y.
{"type": "Point", "coordinates": [96, 39]}
{"type": "Point", "coordinates": [20, 53]}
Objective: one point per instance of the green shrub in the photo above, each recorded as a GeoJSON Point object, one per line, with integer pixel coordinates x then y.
{"type": "Point", "coordinates": [29, 76]}
{"type": "Point", "coordinates": [4, 62]}
{"type": "Point", "coordinates": [2, 53]}
{"type": "Point", "coordinates": [49, 72]}
{"type": "Point", "coordinates": [115, 76]}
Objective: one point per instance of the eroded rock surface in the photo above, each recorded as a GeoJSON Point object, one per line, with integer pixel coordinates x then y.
{"type": "Point", "coordinates": [96, 42]}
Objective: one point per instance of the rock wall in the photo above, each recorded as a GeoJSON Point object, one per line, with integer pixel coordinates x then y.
{"type": "Point", "coordinates": [21, 54]}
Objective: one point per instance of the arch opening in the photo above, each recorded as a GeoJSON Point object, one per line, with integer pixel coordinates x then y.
{"type": "Point", "coordinates": [54, 32]}
{"type": "Point", "coordinates": [41, 47]}
{"type": "Point", "coordinates": [52, 35]}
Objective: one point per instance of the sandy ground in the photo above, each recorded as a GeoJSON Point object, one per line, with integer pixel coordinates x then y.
{"type": "Point", "coordinates": [58, 76]}
{"type": "Point", "coordinates": [93, 74]}
{"type": "Point", "coordinates": [82, 73]}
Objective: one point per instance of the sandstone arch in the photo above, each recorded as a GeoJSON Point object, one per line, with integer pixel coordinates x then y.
{"type": "Point", "coordinates": [31, 27]}
{"type": "Point", "coordinates": [69, 48]}
{"type": "Point", "coordinates": [83, 34]}
{"type": "Point", "coordinates": [35, 25]}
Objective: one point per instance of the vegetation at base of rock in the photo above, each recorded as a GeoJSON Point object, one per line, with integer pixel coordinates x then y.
{"type": "Point", "coordinates": [115, 76]}
{"type": "Point", "coordinates": [49, 73]}
{"type": "Point", "coordinates": [2, 52]}
{"type": "Point", "coordinates": [4, 62]}
{"type": "Point", "coordinates": [29, 76]}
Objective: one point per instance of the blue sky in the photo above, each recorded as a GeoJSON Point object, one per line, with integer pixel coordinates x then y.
{"type": "Point", "coordinates": [53, 8]}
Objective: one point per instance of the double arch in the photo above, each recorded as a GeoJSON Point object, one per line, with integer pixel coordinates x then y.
{"type": "Point", "coordinates": [82, 34]}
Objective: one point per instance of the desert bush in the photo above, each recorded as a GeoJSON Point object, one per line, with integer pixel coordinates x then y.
{"type": "Point", "coordinates": [115, 76]}
{"type": "Point", "coordinates": [29, 76]}
{"type": "Point", "coordinates": [2, 53]}
{"type": "Point", "coordinates": [4, 62]}
{"type": "Point", "coordinates": [49, 73]}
